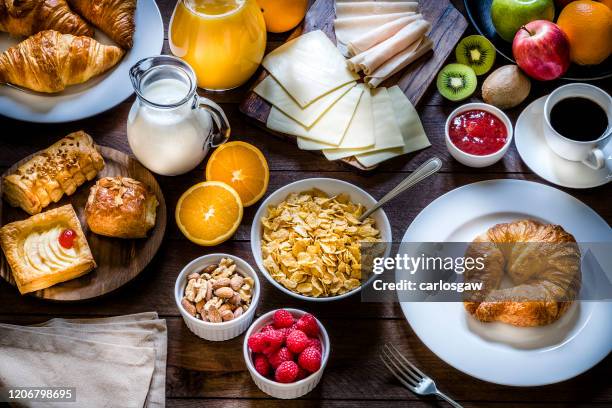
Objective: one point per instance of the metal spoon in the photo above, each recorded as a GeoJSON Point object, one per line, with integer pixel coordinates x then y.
{"type": "Point", "coordinates": [425, 170]}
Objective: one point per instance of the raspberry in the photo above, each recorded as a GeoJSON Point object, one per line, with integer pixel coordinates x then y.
{"type": "Point", "coordinates": [267, 328]}
{"type": "Point", "coordinates": [256, 342]}
{"type": "Point", "coordinates": [301, 374]}
{"type": "Point", "coordinates": [273, 340]}
{"type": "Point", "coordinates": [262, 366]}
{"type": "Point", "coordinates": [310, 359]}
{"type": "Point", "coordinates": [282, 318]}
{"type": "Point", "coordinates": [285, 331]}
{"type": "Point", "coordinates": [297, 341]}
{"type": "Point", "coordinates": [316, 343]}
{"type": "Point", "coordinates": [286, 372]}
{"type": "Point", "coordinates": [308, 324]}
{"type": "Point", "coordinates": [280, 355]}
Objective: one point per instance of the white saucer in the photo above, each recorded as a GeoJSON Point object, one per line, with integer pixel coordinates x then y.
{"type": "Point", "coordinates": [533, 149]}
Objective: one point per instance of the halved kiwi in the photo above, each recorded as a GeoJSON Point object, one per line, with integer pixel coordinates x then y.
{"type": "Point", "coordinates": [456, 82]}
{"type": "Point", "coordinates": [476, 52]}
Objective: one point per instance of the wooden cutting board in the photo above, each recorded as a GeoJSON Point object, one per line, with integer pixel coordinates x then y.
{"type": "Point", "coordinates": [119, 260]}
{"type": "Point", "coordinates": [448, 25]}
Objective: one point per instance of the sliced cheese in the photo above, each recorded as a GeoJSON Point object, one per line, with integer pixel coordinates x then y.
{"type": "Point", "coordinates": [360, 133]}
{"type": "Point", "coordinates": [309, 67]}
{"type": "Point", "coordinates": [270, 90]}
{"type": "Point", "coordinates": [362, 8]}
{"type": "Point", "coordinates": [386, 129]}
{"type": "Point", "coordinates": [410, 125]}
{"type": "Point", "coordinates": [330, 128]}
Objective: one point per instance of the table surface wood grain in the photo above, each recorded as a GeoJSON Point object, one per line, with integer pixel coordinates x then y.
{"type": "Point", "coordinates": [202, 373]}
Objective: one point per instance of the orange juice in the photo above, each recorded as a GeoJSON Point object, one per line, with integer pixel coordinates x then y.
{"type": "Point", "coordinates": [223, 40]}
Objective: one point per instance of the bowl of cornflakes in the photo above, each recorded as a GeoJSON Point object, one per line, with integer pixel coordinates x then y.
{"type": "Point", "coordinates": [307, 239]}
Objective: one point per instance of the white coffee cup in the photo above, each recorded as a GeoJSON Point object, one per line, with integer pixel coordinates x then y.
{"type": "Point", "coordinates": [595, 154]}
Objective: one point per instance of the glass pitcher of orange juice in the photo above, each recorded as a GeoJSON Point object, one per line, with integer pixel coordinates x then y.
{"type": "Point", "coordinates": [223, 40]}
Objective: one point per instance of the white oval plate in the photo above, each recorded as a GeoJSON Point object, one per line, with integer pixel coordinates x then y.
{"type": "Point", "coordinates": [533, 149]}
{"type": "Point", "coordinates": [96, 95]}
{"type": "Point", "coordinates": [497, 352]}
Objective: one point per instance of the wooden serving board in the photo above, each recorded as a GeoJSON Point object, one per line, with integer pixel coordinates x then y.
{"type": "Point", "coordinates": [119, 260]}
{"type": "Point", "coordinates": [448, 25]}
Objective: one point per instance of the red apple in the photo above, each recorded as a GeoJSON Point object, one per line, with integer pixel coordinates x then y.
{"type": "Point", "coordinates": [542, 50]}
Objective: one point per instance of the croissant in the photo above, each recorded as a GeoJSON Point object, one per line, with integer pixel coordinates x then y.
{"type": "Point", "coordinates": [543, 263]}
{"type": "Point", "coordinates": [50, 61]}
{"type": "Point", "coordinates": [27, 17]}
{"type": "Point", "coordinates": [114, 17]}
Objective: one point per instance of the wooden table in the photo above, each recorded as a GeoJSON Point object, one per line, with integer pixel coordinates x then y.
{"type": "Point", "coordinates": [202, 373]}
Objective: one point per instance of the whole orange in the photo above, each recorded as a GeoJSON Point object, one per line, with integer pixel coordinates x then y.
{"type": "Point", "coordinates": [607, 3]}
{"type": "Point", "coordinates": [282, 15]}
{"type": "Point", "coordinates": [588, 25]}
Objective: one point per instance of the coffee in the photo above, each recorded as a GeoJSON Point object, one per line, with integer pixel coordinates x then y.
{"type": "Point", "coordinates": [579, 119]}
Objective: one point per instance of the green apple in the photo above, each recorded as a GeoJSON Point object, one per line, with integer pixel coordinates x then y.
{"type": "Point", "coordinates": [510, 15]}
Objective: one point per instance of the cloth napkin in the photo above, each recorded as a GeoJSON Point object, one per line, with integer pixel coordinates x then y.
{"type": "Point", "coordinates": [117, 361]}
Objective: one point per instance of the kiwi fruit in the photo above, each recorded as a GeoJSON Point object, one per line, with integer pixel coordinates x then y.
{"type": "Point", "coordinates": [456, 82]}
{"type": "Point", "coordinates": [476, 52]}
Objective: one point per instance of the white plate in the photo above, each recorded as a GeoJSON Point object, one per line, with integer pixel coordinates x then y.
{"type": "Point", "coordinates": [533, 149]}
{"type": "Point", "coordinates": [96, 95]}
{"type": "Point", "coordinates": [497, 352]}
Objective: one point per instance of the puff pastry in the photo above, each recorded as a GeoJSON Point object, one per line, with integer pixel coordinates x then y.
{"type": "Point", "coordinates": [114, 17]}
{"type": "Point", "coordinates": [53, 172]}
{"type": "Point", "coordinates": [37, 258]}
{"type": "Point", "coordinates": [121, 207]}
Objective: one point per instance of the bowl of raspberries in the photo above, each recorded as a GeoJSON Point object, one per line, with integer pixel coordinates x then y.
{"type": "Point", "coordinates": [286, 351]}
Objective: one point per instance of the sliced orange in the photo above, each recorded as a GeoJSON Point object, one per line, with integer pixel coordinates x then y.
{"type": "Point", "coordinates": [242, 166]}
{"type": "Point", "coordinates": [209, 213]}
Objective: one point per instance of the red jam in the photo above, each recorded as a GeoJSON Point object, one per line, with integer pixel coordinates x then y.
{"type": "Point", "coordinates": [478, 132]}
{"type": "Point", "coordinates": [66, 238]}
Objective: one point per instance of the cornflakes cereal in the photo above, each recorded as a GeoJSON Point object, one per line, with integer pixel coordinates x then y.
{"type": "Point", "coordinates": [311, 243]}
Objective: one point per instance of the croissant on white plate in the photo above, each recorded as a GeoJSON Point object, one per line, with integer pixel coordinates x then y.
{"type": "Point", "coordinates": [50, 61]}
{"type": "Point", "coordinates": [28, 17]}
{"type": "Point", "coordinates": [114, 17]}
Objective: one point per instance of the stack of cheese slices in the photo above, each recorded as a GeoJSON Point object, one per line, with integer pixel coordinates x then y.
{"type": "Point", "coordinates": [380, 38]}
{"type": "Point", "coordinates": [316, 97]}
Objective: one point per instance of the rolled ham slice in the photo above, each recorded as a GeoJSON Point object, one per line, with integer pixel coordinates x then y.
{"type": "Point", "coordinates": [399, 62]}
{"type": "Point", "coordinates": [380, 34]}
{"type": "Point", "coordinates": [372, 59]}
{"type": "Point", "coordinates": [363, 8]}
{"type": "Point", "coordinates": [348, 29]}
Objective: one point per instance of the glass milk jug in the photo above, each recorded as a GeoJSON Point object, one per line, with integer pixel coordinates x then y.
{"type": "Point", "coordinates": [170, 127]}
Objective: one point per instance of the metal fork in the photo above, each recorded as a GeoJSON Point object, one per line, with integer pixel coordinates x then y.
{"type": "Point", "coordinates": [410, 376]}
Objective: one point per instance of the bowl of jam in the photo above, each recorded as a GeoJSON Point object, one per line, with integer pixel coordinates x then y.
{"type": "Point", "coordinates": [478, 134]}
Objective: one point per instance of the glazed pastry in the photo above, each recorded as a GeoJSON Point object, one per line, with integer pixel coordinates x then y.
{"type": "Point", "coordinates": [121, 207]}
{"type": "Point", "coordinates": [543, 263]}
{"type": "Point", "coordinates": [53, 172]}
{"type": "Point", "coordinates": [114, 17]}
{"type": "Point", "coordinates": [28, 17]}
{"type": "Point", "coordinates": [50, 61]}
{"type": "Point", "coordinates": [46, 249]}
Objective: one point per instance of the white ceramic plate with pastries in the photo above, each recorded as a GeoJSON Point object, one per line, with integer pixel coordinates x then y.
{"type": "Point", "coordinates": [109, 83]}
{"type": "Point", "coordinates": [498, 352]}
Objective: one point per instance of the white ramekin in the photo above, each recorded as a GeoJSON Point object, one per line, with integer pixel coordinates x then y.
{"type": "Point", "coordinates": [216, 331]}
{"type": "Point", "coordinates": [473, 160]}
{"type": "Point", "coordinates": [276, 389]}
{"type": "Point", "coordinates": [331, 187]}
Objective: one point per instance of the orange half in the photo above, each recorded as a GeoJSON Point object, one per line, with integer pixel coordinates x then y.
{"type": "Point", "coordinates": [241, 166]}
{"type": "Point", "coordinates": [209, 213]}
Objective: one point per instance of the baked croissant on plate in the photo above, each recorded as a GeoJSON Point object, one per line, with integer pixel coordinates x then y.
{"type": "Point", "coordinates": [114, 17]}
{"type": "Point", "coordinates": [27, 17]}
{"type": "Point", "coordinates": [50, 61]}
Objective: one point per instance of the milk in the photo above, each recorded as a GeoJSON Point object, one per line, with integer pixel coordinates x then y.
{"type": "Point", "coordinates": [168, 141]}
